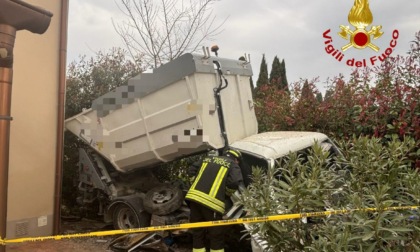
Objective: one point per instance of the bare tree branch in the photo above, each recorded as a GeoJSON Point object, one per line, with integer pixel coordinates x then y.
{"type": "Point", "coordinates": [163, 30]}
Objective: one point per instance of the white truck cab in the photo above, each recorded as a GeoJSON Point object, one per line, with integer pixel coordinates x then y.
{"type": "Point", "coordinates": [264, 150]}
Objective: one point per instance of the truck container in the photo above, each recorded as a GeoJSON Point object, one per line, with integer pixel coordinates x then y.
{"type": "Point", "coordinates": [188, 106]}
{"type": "Point", "coordinates": [170, 113]}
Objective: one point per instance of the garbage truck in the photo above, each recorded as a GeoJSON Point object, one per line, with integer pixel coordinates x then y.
{"type": "Point", "coordinates": [189, 106]}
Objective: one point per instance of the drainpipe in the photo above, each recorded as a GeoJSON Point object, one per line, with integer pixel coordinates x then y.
{"type": "Point", "coordinates": [60, 116]}
{"type": "Point", "coordinates": [7, 40]}
{"type": "Point", "coordinates": [14, 15]}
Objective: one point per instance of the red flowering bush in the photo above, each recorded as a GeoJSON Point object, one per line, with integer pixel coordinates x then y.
{"type": "Point", "coordinates": [272, 107]}
{"type": "Point", "coordinates": [377, 102]}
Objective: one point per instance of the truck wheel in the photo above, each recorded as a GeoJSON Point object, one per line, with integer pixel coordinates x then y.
{"type": "Point", "coordinates": [124, 217]}
{"type": "Point", "coordinates": [163, 199]}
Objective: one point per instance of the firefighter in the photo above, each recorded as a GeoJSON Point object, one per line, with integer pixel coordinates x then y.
{"type": "Point", "coordinates": [206, 197]}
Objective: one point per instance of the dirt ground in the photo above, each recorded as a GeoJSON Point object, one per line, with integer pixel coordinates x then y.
{"type": "Point", "coordinates": [101, 244]}
{"type": "Point", "coordinates": [90, 244]}
{"type": "Point", "coordinates": [80, 245]}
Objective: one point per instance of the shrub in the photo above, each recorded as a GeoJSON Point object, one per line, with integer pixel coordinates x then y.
{"type": "Point", "coordinates": [380, 176]}
{"type": "Point", "coordinates": [378, 102]}
{"type": "Point", "coordinates": [301, 184]}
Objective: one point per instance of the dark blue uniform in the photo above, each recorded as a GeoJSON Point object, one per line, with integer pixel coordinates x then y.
{"type": "Point", "coordinates": [207, 197]}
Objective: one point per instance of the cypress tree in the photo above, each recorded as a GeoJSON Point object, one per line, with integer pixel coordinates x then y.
{"type": "Point", "coordinates": [284, 84]}
{"type": "Point", "coordinates": [307, 93]}
{"type": "Point", "coordinates": [319, 97]}
{"type": "Point", "coordinates": [263, 76]}
{"type": "Point", "coordinates": [275, 74]}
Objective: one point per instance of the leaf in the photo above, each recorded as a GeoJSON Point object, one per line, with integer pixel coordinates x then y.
{"type": "Point", "coordinates": [283, 184]}
{"type": "Point", "coordinates": [371, 247]}
{"type": "Point", "coordinates": [397, 229]}
{"type": "Point", "coordinates": [390, 126]}
{"type": "Point", "coordinates": [368, 236]}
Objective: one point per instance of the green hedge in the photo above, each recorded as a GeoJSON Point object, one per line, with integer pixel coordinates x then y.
{"type": "Point", "coordinates": [369, 174]}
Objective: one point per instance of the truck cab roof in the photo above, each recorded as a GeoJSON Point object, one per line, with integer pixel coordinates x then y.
{"type": "Point", "coordinates": [273, 145]}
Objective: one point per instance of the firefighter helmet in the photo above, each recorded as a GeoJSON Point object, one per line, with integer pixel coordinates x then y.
{"type": "Point", "coordinates": [234, 153]}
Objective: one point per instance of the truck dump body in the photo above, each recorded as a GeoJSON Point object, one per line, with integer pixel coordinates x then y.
{"type": "Point", "coordinates": [170, 113]}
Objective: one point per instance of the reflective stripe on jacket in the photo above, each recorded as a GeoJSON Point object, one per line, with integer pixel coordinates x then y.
{"type": "Point", "coordinates": [210, 183]}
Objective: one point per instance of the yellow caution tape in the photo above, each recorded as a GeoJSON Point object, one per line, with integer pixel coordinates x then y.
{"type": "Point", "coordinates": [201, 224]}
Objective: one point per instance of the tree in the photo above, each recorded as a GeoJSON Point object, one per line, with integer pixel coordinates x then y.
{"type": "Point", "coordinates": [278, 74]}
{"type": "Point", "coordinates": [307, 92]}
{"type": "Point", "coordinates": [275, 74]}
{"type": "Point", "coordinates": [273, 109]}
{"type": "Point", "coordinates": [91, 78]}
{"type": "Point", "coordinates": [263, 75]}
{"type": "Point", "coordinates": [163, 30]}
{"type": "Point", "coordinates": [329, 94]}
{"type": "Point", "coordinates": [319, 97]}
{"type": "Point", "coordinates": [87, 80]}
{"type": "Point", "coordinates": [306, 110]}
{"type": "Point", "coordinates": [284, 84]}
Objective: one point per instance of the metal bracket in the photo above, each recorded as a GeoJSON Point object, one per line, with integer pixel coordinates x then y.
{"type": "Point", "coordinates": [7, 118]}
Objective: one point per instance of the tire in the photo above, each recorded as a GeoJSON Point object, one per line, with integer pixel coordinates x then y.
{"type": "Point", "coordinates": [125, 217]}
{"type": "Point", "coordinates": [162, 200]}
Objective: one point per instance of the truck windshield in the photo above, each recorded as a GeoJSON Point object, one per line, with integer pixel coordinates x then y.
{"type": "Point", "coordinates": [249, 161]}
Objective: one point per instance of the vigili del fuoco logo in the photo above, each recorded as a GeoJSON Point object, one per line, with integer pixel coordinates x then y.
{"type": "Point", "coordinates": [360, 37]}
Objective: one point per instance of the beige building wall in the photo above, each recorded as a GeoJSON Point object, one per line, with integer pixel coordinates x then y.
{"type": "Point", "coordinates": [33, 136]}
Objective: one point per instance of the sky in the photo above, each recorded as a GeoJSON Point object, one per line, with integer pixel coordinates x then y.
{"type": "Point", "coordinates": [298, 31]}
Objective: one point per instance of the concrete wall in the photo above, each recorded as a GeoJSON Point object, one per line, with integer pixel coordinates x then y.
{"type": "Point", "coordinates": [32, 168]}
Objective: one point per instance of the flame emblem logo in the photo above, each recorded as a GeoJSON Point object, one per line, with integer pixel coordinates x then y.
{"type": "Point", "coordinates": [360, 17]}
